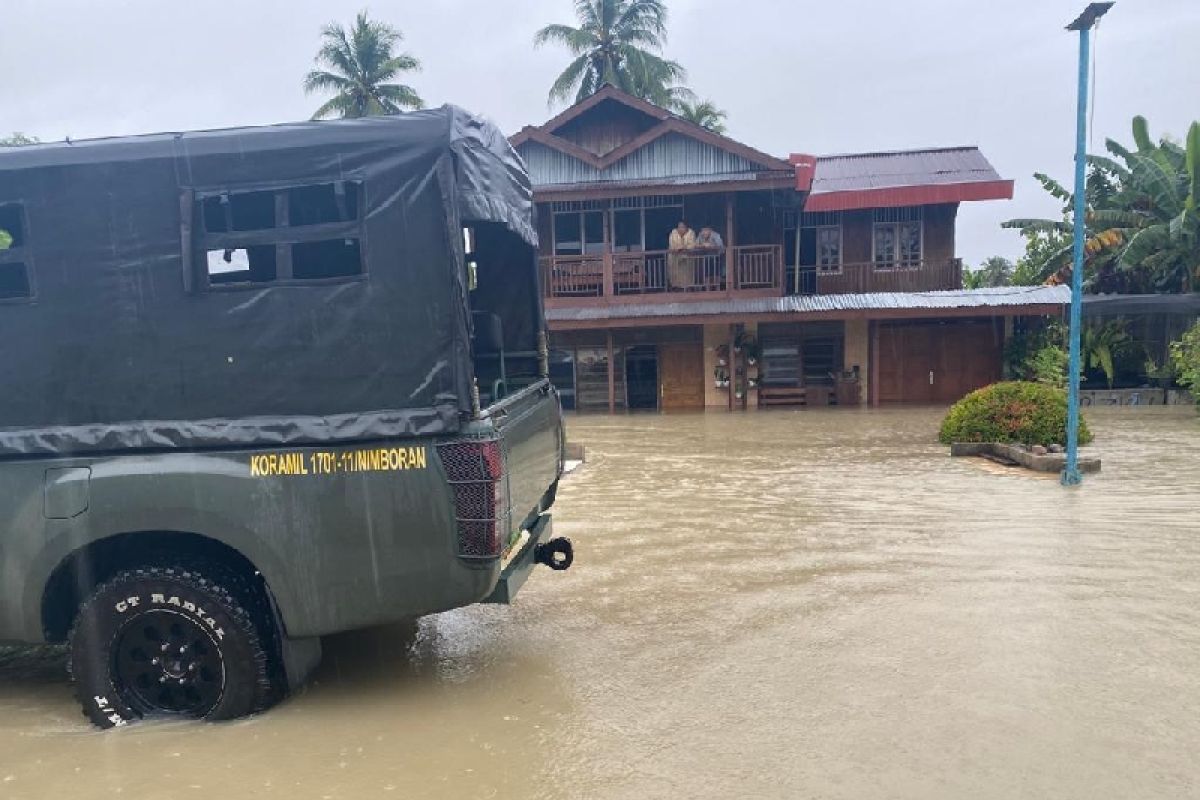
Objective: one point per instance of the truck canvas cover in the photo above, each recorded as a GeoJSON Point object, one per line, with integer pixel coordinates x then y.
{"type": "Point", "coordinates": [290, 284]}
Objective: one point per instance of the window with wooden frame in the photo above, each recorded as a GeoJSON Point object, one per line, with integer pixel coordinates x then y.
{"type": "Point", "coordinates": [578, 227]}
{"type": "Point", "coordinates": [897, 239]}
{"type": "Point", "coordinates": [645, 222]}
{"type": "Point", "coordinates": [821, 241]}
{"type": "Point", "coordinates": [16, 258]}
{"type": "Point", "coordinates": [289, 234]}
{"type": "Point", "coordinates": [829, 249]}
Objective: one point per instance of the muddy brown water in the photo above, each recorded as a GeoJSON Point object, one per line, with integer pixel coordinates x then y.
{"type": "Point", "coordinates": [784, 604]}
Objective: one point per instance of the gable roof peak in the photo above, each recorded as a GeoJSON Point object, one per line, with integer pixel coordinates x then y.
{"type": "Point", "coordinates": [665, 122]}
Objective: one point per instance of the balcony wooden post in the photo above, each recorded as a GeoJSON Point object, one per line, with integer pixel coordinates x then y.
{"type": "Point", "coordinates": [612, 378]}
{"type": "Point", "coordinates": [731, 268]}
{"type": "Point", "coordinates": [607, 273]}
{"type": "Point", "coordinates": [732, 361]}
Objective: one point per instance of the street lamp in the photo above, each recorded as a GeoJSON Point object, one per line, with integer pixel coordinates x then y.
{"type": "Point", "coordinates": [1084, 24]}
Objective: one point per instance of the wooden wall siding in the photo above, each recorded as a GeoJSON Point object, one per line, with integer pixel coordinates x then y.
{"type": "Point", "coordinates": [939, 232]}
{"type": "Point", "coordinates": [858, 230]}
{"type": "Point", "coordinates": [606, 127]}
{"type": "Point", "coordinates": [670, 157]}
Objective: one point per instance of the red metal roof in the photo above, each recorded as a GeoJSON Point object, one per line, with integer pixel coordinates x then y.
{"type": "Point", "coordinates": [901, 178]}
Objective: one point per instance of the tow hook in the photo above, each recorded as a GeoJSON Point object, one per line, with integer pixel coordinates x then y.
{"type": "Point", "coordinates": [557, 554]}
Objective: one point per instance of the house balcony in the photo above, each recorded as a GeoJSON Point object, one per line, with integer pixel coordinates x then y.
{"type": "Point", "coordinates": [742, 271]}
{"type": "Point", "coordinates": [663, 276]}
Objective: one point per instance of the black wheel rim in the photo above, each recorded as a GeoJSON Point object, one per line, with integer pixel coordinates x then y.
{"type": "Point", "coordinates": [168, 664]}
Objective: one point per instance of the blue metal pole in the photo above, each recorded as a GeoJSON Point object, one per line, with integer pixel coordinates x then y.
{"type": "Point", "coordinates": [1071, 475]}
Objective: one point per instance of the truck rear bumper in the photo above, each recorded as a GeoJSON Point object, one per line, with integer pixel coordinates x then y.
{"type": "Point", "coordinates": [518, 565]}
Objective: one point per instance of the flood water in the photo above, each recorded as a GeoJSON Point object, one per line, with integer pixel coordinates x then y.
{"type": "Point", "coordinates": [777, 605]}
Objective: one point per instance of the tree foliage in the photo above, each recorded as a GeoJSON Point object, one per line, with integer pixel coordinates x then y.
{"type": "Point", "coordinates": [1142, 217]}
{"type": "Point", "coordinates": [617, 42]}
{"type": "Point", "coordinates": [18, 139]}
{"type": "Point", "coordinates": [995, 271]}
{"type": "Point", "coordinates": [358, 66]}
{"type": "Point", "coordinates": [705, 114]}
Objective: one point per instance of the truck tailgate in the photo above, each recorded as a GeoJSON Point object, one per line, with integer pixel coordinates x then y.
{"type": "Point", "coordinates": [530, 427]}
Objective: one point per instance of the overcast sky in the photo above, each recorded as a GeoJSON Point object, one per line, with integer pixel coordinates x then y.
{"type": "Point", "coordinates": [794, 75]}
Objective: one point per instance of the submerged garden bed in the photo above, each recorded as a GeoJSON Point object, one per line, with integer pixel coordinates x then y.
{"type": "Point", "coordinates": [1024, 456]}
{"type": "Point", "coordinates": [1014, 423]}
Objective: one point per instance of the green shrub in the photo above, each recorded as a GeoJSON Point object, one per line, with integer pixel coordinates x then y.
{"type": "Point", "coordinates": [1014, 412]}
{"type": "Point", "coordinates": [1185, 355]}
{"type": "Point", "coordinates": [1049, 366]}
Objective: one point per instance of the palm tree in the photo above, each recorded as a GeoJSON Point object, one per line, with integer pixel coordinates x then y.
{"type": "Point", "coordinates": [617, 42]}
{"type": "Point", "coordinates": [704, 114]}
{"type": "Point", "coordinates": [358, 65]}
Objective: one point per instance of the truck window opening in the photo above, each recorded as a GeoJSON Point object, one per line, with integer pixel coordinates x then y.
{"type": "Point", "coordinates": [242, 265]}
{"type": "Point", "coordinates": [10, 223]}
{"type": "Point", "coordinates": [14, 268]}
{"type": "Point", "coordinates": [331, 258]}
{"type": "Point", "coordinates": [14, 281]}
{"type": "Point", "coordinates": [504, 311]}
{"type": "Point", "coordinates": [299, 257]}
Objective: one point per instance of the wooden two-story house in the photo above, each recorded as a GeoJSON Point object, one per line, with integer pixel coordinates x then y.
{"type": "Point", "coordinates": [829, 280]}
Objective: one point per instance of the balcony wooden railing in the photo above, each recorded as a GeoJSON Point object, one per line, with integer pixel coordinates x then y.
{"type": "Point", "coordinates": [920, 276]}
{"type": "Point", "coordinates": [755, 269]}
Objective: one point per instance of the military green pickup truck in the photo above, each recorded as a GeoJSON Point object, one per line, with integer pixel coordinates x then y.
{"type": "Point", "coordinates": [263, 385]}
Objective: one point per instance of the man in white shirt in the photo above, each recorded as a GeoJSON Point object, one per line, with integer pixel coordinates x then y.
{"type": "Point", "coordinates": [709, 239]}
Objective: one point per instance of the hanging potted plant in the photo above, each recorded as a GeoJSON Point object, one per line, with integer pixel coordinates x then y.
{"type": "Point", "coordinates": [753, 351]}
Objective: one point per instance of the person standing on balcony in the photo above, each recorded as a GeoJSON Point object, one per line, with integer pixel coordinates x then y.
{"type": "Point", "coordinates": [681, 240]}
{"type": "Point", "coordinates": [709, 239]}
{"type": "Point", "coordinates": [710, 244]}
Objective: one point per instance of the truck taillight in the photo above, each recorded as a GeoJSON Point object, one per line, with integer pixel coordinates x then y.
{"type": "Point", "coordinates": [475, 469]}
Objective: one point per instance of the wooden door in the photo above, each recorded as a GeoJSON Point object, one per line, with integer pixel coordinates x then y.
{"type": "Point", "coordinates": [681, 376]}
{"type": "Point", "coordinates": [937, 362]}
{"type": "Point", "coordinates": [906, 357]}
{"type": "Point", "coordinates": [969, 356]}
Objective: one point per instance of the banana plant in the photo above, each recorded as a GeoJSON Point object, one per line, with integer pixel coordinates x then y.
{"type": "Point", "coordinates": [1143, 214]}
{"type": "Point", "coordinates": [1100, 345]}
{"type": "Point", "coordinates": [1164, 187]}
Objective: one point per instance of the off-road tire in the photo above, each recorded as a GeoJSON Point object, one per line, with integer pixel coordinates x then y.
{"type": "Point", "coordinates": [112, 646]}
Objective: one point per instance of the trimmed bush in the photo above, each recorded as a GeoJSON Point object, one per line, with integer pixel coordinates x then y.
{"type": "Point", "coordinates": [1014, 412]}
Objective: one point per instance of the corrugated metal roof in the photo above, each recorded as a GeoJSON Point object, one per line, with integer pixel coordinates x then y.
{"type": "Point", "coordinates": [859, 171]}
{"type": "Point", "coordinates": [670, 158]}
{"type": "Point", "coordinates": [966, 298]}
{"type": "Point", "coordinates": [1187, 305]}
{"type": "Point", "coordinates": [678, 180]}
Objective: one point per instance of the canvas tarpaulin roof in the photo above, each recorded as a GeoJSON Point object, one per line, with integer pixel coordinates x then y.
{"type": "Point", "coordinates": [124, 344]}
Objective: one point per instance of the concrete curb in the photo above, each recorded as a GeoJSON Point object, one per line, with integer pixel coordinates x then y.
{"type": "Point", "coordinates": [1050, 462]}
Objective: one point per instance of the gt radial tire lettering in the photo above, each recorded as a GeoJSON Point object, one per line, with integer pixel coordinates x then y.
{"type": "Point", "coordinates": [214, 661]}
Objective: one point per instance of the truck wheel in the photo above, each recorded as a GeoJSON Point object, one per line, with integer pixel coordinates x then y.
{"type": "Point", "coordinates": [167, 642]}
